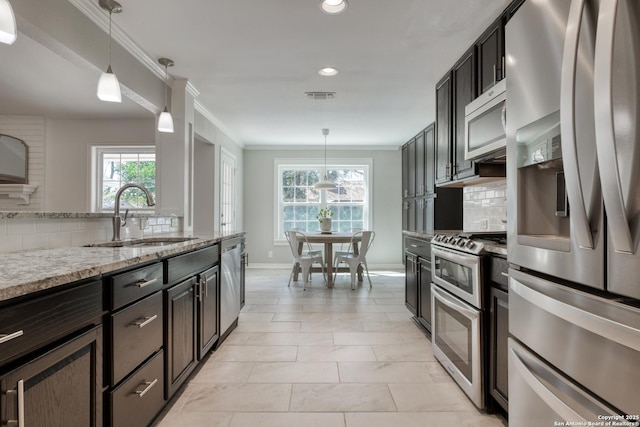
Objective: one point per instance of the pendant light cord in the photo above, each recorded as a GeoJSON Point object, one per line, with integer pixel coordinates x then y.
{"type": "Point", "coordinates": [166, 83]}
{"type": "Point", "coordinates": [325, 157]}
{"type": "Point", "coordinates": [110, 13]}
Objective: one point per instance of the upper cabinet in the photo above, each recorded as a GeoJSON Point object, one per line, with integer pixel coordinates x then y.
{"type": "Point", "coordinates": [490, 51]}
{"type": "Point", "coordinates": [454, 91]}
{"type": "Point", "coordinates": [443, 158]}
{"type": "Point", "coordinates": [464, 91]}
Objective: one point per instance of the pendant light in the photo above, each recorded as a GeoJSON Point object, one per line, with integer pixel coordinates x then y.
{"type": "Point", "coordinates": [108, 85]}
{"type": "Point", "coordinates": [165, 121]}
{"type": "Point", "coordinates": [325, 184]}
{"type": "Point", "coordinates": [8, 29]}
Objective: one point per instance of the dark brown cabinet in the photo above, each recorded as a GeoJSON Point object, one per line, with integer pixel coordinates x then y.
{"type": "Point", "coordinates": [498, 331]}
{"type": "Point", "coordinates": [60, 388]}
{"type": "Point", "coordinates": [424, 293]}
{"type": "Point", "coordinates": [464, 84]}
{"type": "Point", "coordinates": [490, 51]}
{"type": "Point", "coordinates": [208, 310]}
{"type": "Point", "coordinates": [444, 130]}
{"type": "Point", "coordinates": [454, 91]}
{"type": "Point", "coordinates": [411, 283]}
{"type": "Point", "coordinates": [180, 334]}
{"type": "Point", "coordinates": [418, 279]}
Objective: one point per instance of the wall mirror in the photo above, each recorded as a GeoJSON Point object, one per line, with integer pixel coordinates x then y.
{"type": "Point", "coordinates": [13, 160]}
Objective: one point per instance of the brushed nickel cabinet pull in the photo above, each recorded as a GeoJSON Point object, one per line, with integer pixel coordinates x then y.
{"type": "Point", "coordinates": [142, 283]}
{"type": "Point", "coordinates": [145, 321]}
{"type": "Point", "coordinates": [504, 274]}
{"type": "Point", "coordinates": [149, 386]}
{"type": "Point", "coordinates": [9, 337]}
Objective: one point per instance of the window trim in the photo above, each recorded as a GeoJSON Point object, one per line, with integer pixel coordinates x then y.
{"type": "Point", "coordinates": [342, 163]}
{"type": "Point", "coordinates": [96, 168]}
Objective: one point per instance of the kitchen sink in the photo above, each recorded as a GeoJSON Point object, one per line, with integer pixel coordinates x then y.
{"type": "Point", "coordinates": [139, 243]}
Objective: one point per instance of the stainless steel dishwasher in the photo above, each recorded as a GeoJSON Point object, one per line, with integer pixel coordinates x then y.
{"type": "Point", "coordinates": [230, 285]}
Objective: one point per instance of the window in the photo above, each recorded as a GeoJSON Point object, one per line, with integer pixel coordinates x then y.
{"type": "Point", "coordinates": [299, 202]}
{"type": "Point", "coordinates": [115, 166]}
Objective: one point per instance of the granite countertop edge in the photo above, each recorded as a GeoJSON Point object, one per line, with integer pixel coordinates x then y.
{"type": "Point", "coordinates": [61, 215]}
{"type": "Point", "coordinates": [26, 272]}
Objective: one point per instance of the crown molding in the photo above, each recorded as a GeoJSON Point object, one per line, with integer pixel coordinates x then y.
{"type": "Point", "coordinates": [217, 123]}
{"type": "Point", "coordinates": [95, 13]}
{"type": "Point", "coordinates": [256, 147]}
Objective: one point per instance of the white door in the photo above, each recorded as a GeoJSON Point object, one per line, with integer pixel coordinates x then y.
{"type": "Point", "coordinates": [227, 192]}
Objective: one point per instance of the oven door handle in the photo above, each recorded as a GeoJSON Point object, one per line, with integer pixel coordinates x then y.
{"type": "Point", "coordinates": [453, 303]}
{"type": "Point", "coordinates": [465, 260]}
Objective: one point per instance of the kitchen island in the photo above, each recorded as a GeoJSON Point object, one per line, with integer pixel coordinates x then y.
{"type": "Point", "coordinates": [112, 332]}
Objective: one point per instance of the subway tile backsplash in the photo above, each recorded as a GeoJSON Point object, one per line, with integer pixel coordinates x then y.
{"type": "Point", "coordinates": [485, 207]}
{"type": "Point", "coordinates": [18, 234]}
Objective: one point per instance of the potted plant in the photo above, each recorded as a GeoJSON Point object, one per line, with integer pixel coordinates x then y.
{"type": "Point", "coordinates": [324, 217]}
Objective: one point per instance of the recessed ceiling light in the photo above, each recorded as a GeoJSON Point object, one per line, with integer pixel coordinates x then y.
{"type": "Point", "coordinates": [328, 71]}
{"type": "Point", "coordinates": [333, 6]}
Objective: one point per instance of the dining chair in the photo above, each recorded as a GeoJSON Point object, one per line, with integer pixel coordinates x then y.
{"type": "Point", "coordinates": [304, 260]}
{"type": "Point", "coordinates": [354, 261]}
{"type": "Point", "coordinates": [342, 251]}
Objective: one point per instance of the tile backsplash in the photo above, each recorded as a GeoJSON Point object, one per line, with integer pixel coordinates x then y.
{"type": "Point", "coordinates": [28, 233]}
{"type": "Point", "coordinates": [485, 207]}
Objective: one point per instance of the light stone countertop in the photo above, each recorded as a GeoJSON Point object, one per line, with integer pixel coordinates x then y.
{"type": "Point", "coordinates": [58, 215]}
{"type": "Point", "coordinates": [22, 273]}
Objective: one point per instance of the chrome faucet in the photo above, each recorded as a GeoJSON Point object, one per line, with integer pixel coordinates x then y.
{"type": "Point", "coordinates": [117, 220]}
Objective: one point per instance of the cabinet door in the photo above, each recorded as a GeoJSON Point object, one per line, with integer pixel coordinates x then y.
{"type": "Point", "coordinates": [443, 158]}
{"type": "Point", "coordinates": [420, 164]}
{"type": "Point", "coordinates": [411, 176]}
{"type": "Point", "coordinates": [411, 283]}
{"type": "Point", "coordinates": [490, 56]}
{"type": "Point", "coordinates": [180, 338]}
{"type": "Point", "coordinates": [208, 311]}
{"type": "Point", "coordinates": [464, 77]}
{"type": "Point", "coordinates": [429, 159]}
{"type": "Point", "coordinates": [61, 388]}
{"type": "Point", "coordinates": [405, 170]}
{"type": "Point", "coordinates": [425, 293]}
{"type": "Point", "coordinates": [420, 215]}
{"type": "Point", "coordinates": [411, 215]}
{"type": "Point", "coordinates": [498, 335]}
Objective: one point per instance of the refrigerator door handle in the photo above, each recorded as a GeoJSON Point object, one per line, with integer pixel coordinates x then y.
{"type": "Point", "coordinates": [568, 123]}
{"type": "Point", "coordinates": [543, 380]}
{"type": "Point", "coordinates": [554, 402]}
{"type": "Point", "coordinates": [612, 193]}
{"type": "Point", "coordinates": [597, 323]}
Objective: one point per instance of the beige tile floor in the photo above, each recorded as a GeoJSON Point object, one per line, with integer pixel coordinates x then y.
{"type": "Point", "coordinates": [324, 358]}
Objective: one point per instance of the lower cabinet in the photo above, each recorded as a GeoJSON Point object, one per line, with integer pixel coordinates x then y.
{"type": "Point", "coordinates": [138, 400]}
{"type": "Point", "coordinates": [60, 388]}
{"type": "Point", "coordinates": [180, 329]}
{"type": "Point", "coordinates": [208, 310]}
{"type": "Point", "coordinates": [424, 312]}
{"type": "Point", "coordinates": [411, 283]}
{"type": "Point", "coordinates": [498, 335]}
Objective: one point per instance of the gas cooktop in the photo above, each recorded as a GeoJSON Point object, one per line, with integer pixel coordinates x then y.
{"type": "Point", "coordinates": [472, 242]}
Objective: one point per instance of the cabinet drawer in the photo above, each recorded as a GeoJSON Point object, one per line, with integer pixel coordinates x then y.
{"type": "Point", "coordinates": [139, 399]}
{"type": "Point", "coordinates": [135, 284]}
{"type": "Point", "coordinates": [46, 319]}
{"type": "Point", "coordinates": [418, 247]}
{"type": "Point", "coordinates": [183, 266]}
{"type": "Point", "coordinates": [136, 333]}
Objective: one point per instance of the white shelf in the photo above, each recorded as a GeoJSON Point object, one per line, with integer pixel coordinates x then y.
{"type": "Point", "coordinates": [18, 191]}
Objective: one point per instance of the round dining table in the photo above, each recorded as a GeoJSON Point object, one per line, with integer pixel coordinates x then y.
{"type": "Point", "coordinates": [328, 239]}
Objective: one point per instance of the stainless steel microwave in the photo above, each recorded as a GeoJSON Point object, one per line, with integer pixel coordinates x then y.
{"type": "Point", "coordinates": [485, 123]}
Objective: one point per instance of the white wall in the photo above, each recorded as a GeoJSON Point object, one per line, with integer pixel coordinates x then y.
{"type": "Point", "coordinates": [68, 172]}
{"type": "Point", "coordinates": [260, 198]}
{"type": "Point", "coordinates": [207, 132]}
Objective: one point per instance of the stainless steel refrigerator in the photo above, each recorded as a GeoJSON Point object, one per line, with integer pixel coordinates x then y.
{"type": "Point", "coordinates": [573, 191]}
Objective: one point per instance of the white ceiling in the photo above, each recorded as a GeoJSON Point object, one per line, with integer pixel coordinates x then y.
{"type": "Point", "coordinates": [252, 61]}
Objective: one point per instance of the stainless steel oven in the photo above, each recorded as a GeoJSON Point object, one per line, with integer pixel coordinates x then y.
{"type": "Point", "coordinates": [458, 312]}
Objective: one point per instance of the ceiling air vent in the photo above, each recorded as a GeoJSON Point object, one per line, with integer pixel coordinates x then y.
{"type": "Point", "coordinates": [320, 96]}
